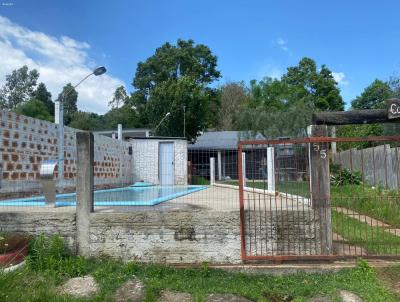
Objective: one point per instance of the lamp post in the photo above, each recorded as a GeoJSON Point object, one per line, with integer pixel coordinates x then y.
{"type": "Point", "coordinates": [59, 119]}
{"type": "Point", "coordinates": [165, 116]}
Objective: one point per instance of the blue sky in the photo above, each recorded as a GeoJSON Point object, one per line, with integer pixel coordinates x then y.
{"type": "Point", "coordinates": [358, 40]}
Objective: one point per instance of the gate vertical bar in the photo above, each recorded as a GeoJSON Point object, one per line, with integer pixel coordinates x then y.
{"type": "Point", "coordinates": [320, 186]}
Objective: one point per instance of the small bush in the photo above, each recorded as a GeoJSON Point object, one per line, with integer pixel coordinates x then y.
{"type": "Point", "coordinates": [341, 177]}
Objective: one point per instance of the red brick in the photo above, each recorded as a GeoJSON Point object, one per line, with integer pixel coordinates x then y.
{"type": "Point", "coordinates": [14, 157]}
{"type": "Point", "coordinates": [5, 175]}
{"type": "Point", "coordinates": [14, 144]}
{"type": "Point", "coordinates": [5, 157]}
{"type": "Point", "coordinates": [10, 167]}
{"type": "Point", "coordinates": [6, 143]}
{"type": "Point", "coordinates": [35, 168]}
{"type": "Point", "coordinates": [18, 167]}
{"type": "Point", "coordinates": [23, 145]}
{"type": "Point", "coordinates": [6, 133]}
{"type": "Point", "coordinates": [16, 135]}
{"type": "Point", "coordinates": [14, 175]}
{"type": "Point", "coordinates": [31, 159]}
{"type": "Point", "coordinates": [22, 175]}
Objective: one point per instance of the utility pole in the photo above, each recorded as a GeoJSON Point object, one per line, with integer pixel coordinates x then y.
{"type": "Point", "coordinates": [184, 121]}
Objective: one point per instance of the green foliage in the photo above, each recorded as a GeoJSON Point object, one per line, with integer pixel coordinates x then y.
{"type": "Point", "coordinates": [305, 83]}
{"type": "Point", "coordinates": [42, 94]}
{"type": "Point", "coordinates": [172, 96]}
{"type": "Point", "coordinates": [232, 96]}
{"type": "Point", "coordinates": [341, 177]}
{"type": "Point", "coordinates": [36, 109]}
{"type": "Point", "coordinates": [272, 123]}
{"type": "Point", "coordinates": [357, 131]}
{"type": "Point", "coordinates": [176, 76]}
{"type": "Point", "coordinates": [119, 99]}
{"type": "Point", "coordinates": [49, 255]}
{"type": "Point", "coordinates": [86, 121]}
{"type": "Point", "coordinates": [199, 282]}
{"type": "Point", "coordinates": [69, 98]}
{"type": "Point", "coordinates": [374, 96]}
{"type": "Point", "coordinates": [18, 88]}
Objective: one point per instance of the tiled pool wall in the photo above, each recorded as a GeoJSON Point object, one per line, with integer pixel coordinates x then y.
{"type": "Point", "coordinates": [25, 142]}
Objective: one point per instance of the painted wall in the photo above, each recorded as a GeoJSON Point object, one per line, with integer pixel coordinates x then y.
{"type": "Point", "coordinates": [146, 160]}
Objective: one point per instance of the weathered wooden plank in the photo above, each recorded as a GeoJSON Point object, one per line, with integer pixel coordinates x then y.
{"type": "Point", "coordinates": [320, 186]}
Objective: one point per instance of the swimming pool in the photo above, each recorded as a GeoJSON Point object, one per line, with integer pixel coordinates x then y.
{"type": "Point", "coordinates": [127, 196]}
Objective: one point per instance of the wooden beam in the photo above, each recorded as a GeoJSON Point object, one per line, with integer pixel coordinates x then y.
{"type": "Point", "coordinates": [370, 116]}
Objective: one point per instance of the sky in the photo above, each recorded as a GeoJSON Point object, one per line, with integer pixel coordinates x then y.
{"type": "Point", "coordinates": [64, 40]}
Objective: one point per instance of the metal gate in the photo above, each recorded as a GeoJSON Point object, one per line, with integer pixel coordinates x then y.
{"type": "Point", "coordinates": [319, 198]}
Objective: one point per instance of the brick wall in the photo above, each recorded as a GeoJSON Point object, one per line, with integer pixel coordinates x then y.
{"type": "Point", "coordinates": [25, 142]}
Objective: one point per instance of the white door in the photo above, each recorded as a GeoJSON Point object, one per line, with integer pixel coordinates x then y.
{"type": "Point", "coordinates": [166, 163]}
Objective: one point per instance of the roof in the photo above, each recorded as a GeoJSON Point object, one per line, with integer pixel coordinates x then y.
{"type": "Point", "coordinates": [222, 140]}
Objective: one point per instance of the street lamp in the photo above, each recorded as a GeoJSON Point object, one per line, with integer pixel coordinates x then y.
{"type": "Point", "coordinates": [165, 116]}
{"type": "Point", "coordinates": [59, 119]}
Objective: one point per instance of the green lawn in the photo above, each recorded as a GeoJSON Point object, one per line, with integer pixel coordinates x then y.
{"type": "Point", "coordinates": [374, 239]}
{"type": "Point", "coordinates": [49, 267]}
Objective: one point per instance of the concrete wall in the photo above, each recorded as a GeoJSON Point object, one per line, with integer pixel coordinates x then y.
{"type": "Point", "coordinates": [179, 236]}
{"type": "Point", "coordinates": [379, 165]}
{"type": "Point", "coordinates": [37, 223]}
{"type": "Point", "coordinates": [146, 160]}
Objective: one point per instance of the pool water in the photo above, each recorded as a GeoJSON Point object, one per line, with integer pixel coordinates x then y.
{"type": "Point", "coordinates": [127, 196]}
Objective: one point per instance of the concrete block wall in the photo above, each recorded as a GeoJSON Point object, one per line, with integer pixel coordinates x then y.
{"type": "Point", "coordinates": [25, 142]}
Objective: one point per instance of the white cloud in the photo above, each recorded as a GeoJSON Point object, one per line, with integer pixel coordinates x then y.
{"type": "Point", "coordinates": [340, 78]}
{"type": "Point", "coordinates": [59, 61]}
{"type": "Point", "coordinates": [283, 44]}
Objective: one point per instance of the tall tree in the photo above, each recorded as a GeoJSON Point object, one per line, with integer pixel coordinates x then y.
{"type": "Point", "coordinates": [189, 68]}
{"type": "Point", "coordinates": [373, 96]}
{"type": "Point", "coordinates": [69, 97]}
{"type": "Point", "coordinates": [307, 84]}
{"type": "Point", "coordinates": [18, 88]}
{"type": "Point", "coordinates": [42, 94]}
{"type": "Point", "coordinates": [232, 97]}
{"type": "Point", "coordinates": [119, 98]}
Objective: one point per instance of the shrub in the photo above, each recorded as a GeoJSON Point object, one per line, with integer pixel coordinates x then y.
{"type": "Point", "coordinates": [341, 177]}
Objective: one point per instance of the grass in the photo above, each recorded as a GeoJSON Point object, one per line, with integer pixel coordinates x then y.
{"type": "Point", "coordinates": [49, 266]}
{"type": "Point", "coordinates": [374, 239]}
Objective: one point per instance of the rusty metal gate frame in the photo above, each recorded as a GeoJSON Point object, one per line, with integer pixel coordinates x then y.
{"type": "Point", "coordinates": [308, 140]}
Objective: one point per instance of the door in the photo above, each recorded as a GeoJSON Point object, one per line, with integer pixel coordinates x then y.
{"type": "Point", "coordinates": [166, 163]}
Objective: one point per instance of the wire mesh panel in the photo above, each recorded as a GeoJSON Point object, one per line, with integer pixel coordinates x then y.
{"type": "Point", "coordinates": [365, 197]}
{"type": "Point", "coordinates": [282, 216]}
{"type": "Point", "coordinates": [277, 215]}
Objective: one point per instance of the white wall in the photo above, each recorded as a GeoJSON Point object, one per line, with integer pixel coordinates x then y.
{"type": "Point", "coordinates": [145, 160]}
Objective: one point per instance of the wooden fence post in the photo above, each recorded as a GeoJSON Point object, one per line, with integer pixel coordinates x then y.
{"type": "Point", "coordinates": [320, 185]}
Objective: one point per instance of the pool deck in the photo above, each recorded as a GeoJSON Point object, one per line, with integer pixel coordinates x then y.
{"type": "Point", "coordinates": [213, 198]}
